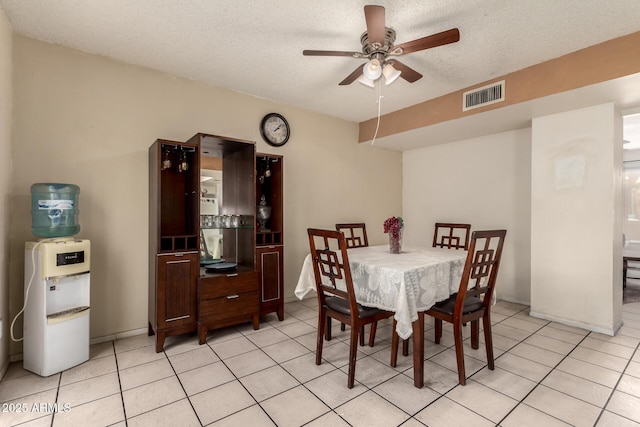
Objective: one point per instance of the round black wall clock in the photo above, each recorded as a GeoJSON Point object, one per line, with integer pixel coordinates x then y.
{"type": "Point", "coordinates": [275, 129]}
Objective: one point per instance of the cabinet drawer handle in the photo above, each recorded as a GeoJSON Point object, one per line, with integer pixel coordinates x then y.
{"type": "Point", "coordinates": [233, 296]}
{"type": "Point", "coordinates": [232, 275]}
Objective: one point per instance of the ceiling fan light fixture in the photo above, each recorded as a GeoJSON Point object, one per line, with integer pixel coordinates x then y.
{"type": "Point", "coordinates": [372, 69]}
{"type": "Point", "coordinates": [390, 74]}
{"type": "Point", "coordinates": [366, 81]}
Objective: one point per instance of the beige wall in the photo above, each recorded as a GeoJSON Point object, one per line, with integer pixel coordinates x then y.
{"type": "Point", "coordinates": [5, 183]}
{"type": "Point", "coordinates": [88, 120]}
{"type": "Point", "coordinates": [576, 219]}
{"type": "Point", "coordinates": [483, 181]}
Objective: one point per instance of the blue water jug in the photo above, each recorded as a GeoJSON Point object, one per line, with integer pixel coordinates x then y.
{"type": "Point", "coordinates": [54, 210]}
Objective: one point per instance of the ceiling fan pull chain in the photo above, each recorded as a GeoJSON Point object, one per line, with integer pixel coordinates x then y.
{"type": "Point", "coordinates": [379, 101]}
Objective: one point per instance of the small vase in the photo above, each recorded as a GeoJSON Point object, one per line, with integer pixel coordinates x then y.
{"type": "Point", "coordinates": [395, 241]}
{"type": "Point", "coordinates": [263, 213]}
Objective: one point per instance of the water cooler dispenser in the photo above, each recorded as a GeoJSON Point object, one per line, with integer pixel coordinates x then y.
{"type": "Point", "coordinates": [57, 283]}
{"type": "Point", "coordinates": [56, 316]}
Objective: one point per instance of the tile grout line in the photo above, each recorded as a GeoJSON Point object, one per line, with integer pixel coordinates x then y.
{"type": "Point", "coordinates": [521, 402]}
{"type": "Point", "coordinates": [441, 395]}
{"type": "Point", "coordinates": [124, 409]}
{"type": "Point", "coordinates": [485, 365]}
{"type": "Point", "coordinates": [553, 369]}
{"type": "Point", "coordinates": [516, 315]}
{"type": "Point", "coordinates": [182, 386]}
{"type": "Point", "coordinates": [240, 382]}
{"type": "Point", "coordinates": [304, 384]}
{"type": "Point", "coordinates": [53, 416]}
{"type": "Point", "coordinates": [337, 368]}
{"type": "Point", "coordinates": [613, 390]}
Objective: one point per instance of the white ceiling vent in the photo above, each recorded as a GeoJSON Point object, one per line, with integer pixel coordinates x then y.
{"type": "Point", "coordinates": [482, 96]}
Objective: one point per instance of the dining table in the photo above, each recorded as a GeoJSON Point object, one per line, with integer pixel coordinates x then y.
{"type": "Point", "coordinates": [407, 283]}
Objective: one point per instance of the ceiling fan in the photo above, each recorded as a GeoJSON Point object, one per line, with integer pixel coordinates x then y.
{"type": "Point", "coordinates": [378, 47]}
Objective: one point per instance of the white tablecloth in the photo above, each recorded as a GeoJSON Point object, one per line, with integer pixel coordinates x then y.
{"type": "Point", "coordinates": [404, 283]}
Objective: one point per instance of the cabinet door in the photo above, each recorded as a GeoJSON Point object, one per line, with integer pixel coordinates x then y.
{"type": "Point", "coordinates": [177, 287]}
{"type": "Point", "coordinates": [270, 269]}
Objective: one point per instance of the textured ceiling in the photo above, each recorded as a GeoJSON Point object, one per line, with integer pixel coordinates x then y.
{"type": "Point", "coordinates": [255, 47]}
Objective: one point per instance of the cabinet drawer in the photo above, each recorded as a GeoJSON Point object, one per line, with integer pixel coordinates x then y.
{"type": "Point", "coordinates": [228, 307]}
{"type": "Point", "coordinates": [226, 285]}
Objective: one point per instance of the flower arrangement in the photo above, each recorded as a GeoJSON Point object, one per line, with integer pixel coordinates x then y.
{"type": "Point", "coordinates": [394, 226]}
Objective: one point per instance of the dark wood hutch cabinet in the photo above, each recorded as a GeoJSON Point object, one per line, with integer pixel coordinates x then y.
{"type": "Point", "coordinates": [231, 297]}
{"type": "Point", "coordinates": [183, 295]}
{"type": "Point", "coordinates": [269, 239]}
{"type": "Point", "coordinates": [173, 238]}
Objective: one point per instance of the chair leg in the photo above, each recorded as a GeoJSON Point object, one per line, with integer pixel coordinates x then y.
{"type": "Point", "coordinates": [394, 345]}
{"type": "Point", "coordinates": [372, 333]}
{"type": "Point", "coordinates": [475, 334]}
{"type": "Point", "coordinates": [438, 330]}
{"type": "Point", "coordinates": [327, 331]}
{"type": "Point", "coordinates": [488, 341]}
{"type": "Point", "coordinates": [457, 336]}
{"type": "Point", "coordinates": [361, 335]}
{"type": "Point", "coordinates": [342, 327]}
{"type": "Point", "coordinates": [322, 321]}
{"type": "Point", "coordinates": [395, 341]}
{"type": "Point", "coordinates": [353, 351]}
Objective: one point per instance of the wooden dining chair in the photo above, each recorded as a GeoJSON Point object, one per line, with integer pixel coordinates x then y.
{"type": "Point", "coordinates": [450, 235]}
{"type": "Point", "coordinates": [472, 302]}
{"type": "Point", "coordinates": [355, 234]}
{"type": "Point", "coordinates": [336, 297]}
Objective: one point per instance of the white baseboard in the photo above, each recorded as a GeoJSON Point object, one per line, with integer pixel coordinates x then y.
{"type": "Point", "coordinates": [118, 336]}
{"type": "Point", "coordinates": [589, 327]}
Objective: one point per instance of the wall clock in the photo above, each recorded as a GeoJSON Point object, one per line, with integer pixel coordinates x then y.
{"type": "Point", "coordinates": [275, 129]}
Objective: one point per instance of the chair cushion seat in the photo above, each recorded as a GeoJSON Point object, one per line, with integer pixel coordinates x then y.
{"type": "Point", "coordinates": [471, 304]}
{"type": "Point", "coordinates": [342, 306]}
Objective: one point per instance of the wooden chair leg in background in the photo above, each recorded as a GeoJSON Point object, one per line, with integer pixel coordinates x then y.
{"type": "Point", "coordinates": [322, 321]}
{"type": "Point", "coordinates": [457, 337]}
{"type": "Point", "coordinates": [327, 331]}
{"type": "Point", "coordinates": [372, 333]}
{"type": "Point", "coordinates": [475, 334]}
{"type": "Point", "coordinates": [394, 345]}
{"type": "Point", "coordinates": [353, 351]}
{"type": "Point", "coordinates": [438, 330]}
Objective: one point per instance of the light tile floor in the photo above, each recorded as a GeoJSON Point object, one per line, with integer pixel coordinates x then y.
{"type": "Point", "coordinates": [547, 374]}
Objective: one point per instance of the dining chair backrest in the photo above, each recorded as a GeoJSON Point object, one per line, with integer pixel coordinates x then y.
{"type": "Point", "coordinates": [331, 266]}
{"type": "Point", "coordinates": [480, 268]}
{"type": "Point", "coordinates": [450, 235]}
{"type": "Point", "coordinates": [355, 234]}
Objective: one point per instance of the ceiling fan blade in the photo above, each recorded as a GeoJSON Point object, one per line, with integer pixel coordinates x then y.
{"type": "Point", "coordinates": [352, 77]}
{"type": "Point", "coordinates": [332, 53]}
{"type": "Point", "coordinates": [374, 15]}
{"type": "Point", "coordinates": [435, 40]}
{"type": "Point", "coordinates": [407, 73]}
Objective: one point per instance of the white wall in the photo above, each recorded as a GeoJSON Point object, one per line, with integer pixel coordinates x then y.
{"type": "Point", "coordinates": [483, 181]}
{"type": "Point", "coordinates": [576, 219]}
{"type": "Point", "coordinates": [88, 120]}
{"type": "Point", "coordinates": [5, 183]}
